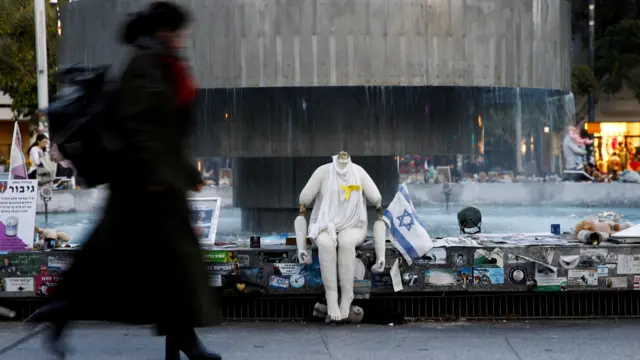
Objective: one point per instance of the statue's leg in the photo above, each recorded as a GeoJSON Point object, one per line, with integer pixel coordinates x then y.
{"type": "Point", "coordinates": [348, 239]}
{"type": "Point", "coordinates": [327, 255]}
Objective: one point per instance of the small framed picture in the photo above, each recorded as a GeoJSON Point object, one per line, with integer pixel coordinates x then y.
{"type": "Point", "coordinates": [204, 218]}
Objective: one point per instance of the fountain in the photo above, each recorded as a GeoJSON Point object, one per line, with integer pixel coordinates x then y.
{"type": "Point", "coordinates": [286, 84]}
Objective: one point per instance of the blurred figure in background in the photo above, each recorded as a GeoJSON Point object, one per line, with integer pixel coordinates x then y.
{"type": "Point", "coordinates": [156, 95]}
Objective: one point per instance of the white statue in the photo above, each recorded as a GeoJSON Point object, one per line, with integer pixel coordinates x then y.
{"type": "Point", "coordinates": [338, 224]}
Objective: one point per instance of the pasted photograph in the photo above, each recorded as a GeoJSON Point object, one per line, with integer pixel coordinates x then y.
{"type": "Point", "coordinates": [203, 232]}
{"type": "Point", "coordinates": [201, 217]}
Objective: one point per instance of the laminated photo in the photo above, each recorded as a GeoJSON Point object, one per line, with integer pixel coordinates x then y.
{"type": "Point", "coordinates": [204, 218]}
{"type": "Point", "coordinates": [583, 277]}
{"type": "Point", "coordinates": [440, 277]}
{"type": "Point", "coordinates": [488, 276]}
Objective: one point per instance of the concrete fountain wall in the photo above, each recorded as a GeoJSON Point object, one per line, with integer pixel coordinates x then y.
{"type": "Point", "coordinates": [557, 194]}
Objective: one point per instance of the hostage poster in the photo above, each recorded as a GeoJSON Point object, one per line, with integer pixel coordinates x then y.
{"type": "Point", "coordinates": [204, 218]}
{"type": "Point", "coordinates": [17, 214]}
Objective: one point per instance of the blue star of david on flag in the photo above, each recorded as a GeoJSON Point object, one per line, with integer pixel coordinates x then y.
{"type": "Point", "coordinates": [409, 223]}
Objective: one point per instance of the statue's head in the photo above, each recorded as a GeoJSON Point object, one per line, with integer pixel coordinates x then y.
{"type": "Point", "coordinates": [344, 157]}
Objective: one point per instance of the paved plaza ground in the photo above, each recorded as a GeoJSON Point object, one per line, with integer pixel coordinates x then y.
{"type": "Point", "coordinates": [510, 340]}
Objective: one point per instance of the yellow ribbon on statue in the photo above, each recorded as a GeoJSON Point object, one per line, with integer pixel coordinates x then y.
{"type": "Point", "coordinates": [349, 189]}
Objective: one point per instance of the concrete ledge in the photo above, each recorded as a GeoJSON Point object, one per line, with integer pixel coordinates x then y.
{"type": "Point", "coordinates": [540, 194]}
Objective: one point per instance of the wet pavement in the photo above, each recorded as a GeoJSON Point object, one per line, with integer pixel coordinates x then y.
{"type": "Point", "coordinates": [549, 340]}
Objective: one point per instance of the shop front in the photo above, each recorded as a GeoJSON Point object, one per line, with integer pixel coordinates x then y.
{"type": "Point", "coordinates": [615, 144]}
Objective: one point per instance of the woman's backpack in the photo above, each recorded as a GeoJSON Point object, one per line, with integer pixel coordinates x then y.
{"type": "Point", "coordinates": [83, 122]}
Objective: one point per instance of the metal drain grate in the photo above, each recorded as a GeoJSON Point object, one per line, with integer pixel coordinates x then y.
{"type": "Point", "coordinates": [566, 305]}
{"type": "Point", "coordinates": [470, 306]}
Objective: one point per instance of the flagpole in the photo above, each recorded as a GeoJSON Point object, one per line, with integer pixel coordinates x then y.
{"type": "Point", "coordinates": [13, 140]}
{"type": "Point", "coordinates": [41, 59]}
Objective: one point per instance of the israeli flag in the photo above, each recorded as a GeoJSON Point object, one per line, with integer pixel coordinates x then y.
{"type": "Point", "coordinates": [407, 230]}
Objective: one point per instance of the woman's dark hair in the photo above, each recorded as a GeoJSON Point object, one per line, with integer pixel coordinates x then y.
{"type": "Point", "coordinates": [159, 16]}
{"type": "Point", "coordinates": [39, 138]}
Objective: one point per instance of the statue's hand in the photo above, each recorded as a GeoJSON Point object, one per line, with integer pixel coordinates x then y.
{"type": "Point", "coordinates": [303, 257]}
{"type": "Point", "coordinates": [379, 266]}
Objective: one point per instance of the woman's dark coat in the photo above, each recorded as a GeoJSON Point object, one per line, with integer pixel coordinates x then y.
{"type": "Point", "coordinates": [143, 264]}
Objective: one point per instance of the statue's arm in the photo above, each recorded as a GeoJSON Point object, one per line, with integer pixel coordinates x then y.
{"type": "Point", "coordinates": [311, 190]}
{"type": "Point", "coordinates": [370, 189]}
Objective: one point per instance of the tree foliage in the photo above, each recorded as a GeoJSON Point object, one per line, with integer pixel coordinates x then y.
{"type": "Point", "coordinates": [18, 67]}
{"type": "Point", "coordinates": [583, 81]}
{"type": "Point", "coordinates": [617, 41]}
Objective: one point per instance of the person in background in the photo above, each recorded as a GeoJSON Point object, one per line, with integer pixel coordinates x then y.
{"type": "Point", "coordinates": [634, 164]}
{"type": "Point", "coordinates": [589, 157]}
{"type": "Point", "coordinates": [614, 166]}
{"type": "Point", "coordinates": [36, 154]}
{"type": "Point", "coordinates": [155, 100]}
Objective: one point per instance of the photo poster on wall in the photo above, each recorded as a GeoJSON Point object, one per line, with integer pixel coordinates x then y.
{"type": "Point", "coordinates": [205, 212]}
{"type": "Point", "coordinates": [17, 214]}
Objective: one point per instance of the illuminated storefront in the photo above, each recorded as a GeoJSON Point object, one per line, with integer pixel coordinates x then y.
{"type": "Point", "coordinates": [614, 138]}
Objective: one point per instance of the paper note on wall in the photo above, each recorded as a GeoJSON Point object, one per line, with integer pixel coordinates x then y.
{"type": "Point", "coordinates": [396, 278]}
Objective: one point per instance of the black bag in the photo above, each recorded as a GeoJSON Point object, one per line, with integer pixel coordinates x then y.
{"type": "Point", "coordinates": [83, 122]}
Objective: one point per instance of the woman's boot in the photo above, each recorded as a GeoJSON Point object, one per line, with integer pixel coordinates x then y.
{"type": "Point", "coordinates": [189, 343]}
{"type": "Point", "coordinates": [57, 315]}
{"type": "Point", "coordinates": [172, 348]}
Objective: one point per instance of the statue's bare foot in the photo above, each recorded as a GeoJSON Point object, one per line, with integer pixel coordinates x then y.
{"type": "Point", "coordinates": [333, 311]}
{"type": "Point", "coordinates": [345, 306]}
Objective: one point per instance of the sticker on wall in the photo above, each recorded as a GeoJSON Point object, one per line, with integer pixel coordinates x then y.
{"type": "Point", "coordinates": [279, 282]}
{"type": "Point", "coordinates": [592, 257]}
{"type": "Point", "coordinates": [24, 264]}
{"type": "Point", "coordinates": [545, 272]}
{"type": "Point", "coordinates": [215, 280]}
{"type": "Point", "coordinates": [296, 281]}
{"type": "Point", "coordinates": [569, 261]}
{"type": "Point", "coordinates": [619, 282]}
{"type": "Point", "coordinates": [464, 276]}
{"type": "Point", "coordinates": [551, 284]}
{"type": "Point", "coordinates": [381, 280]}
{"type": "Point", "coordinates": [440, 277]}
{"type": "Point", "coordinates": [410, 279]}
{"type": "Point", "coordinates": [549, 254]}
{"type": "Point", "coordinates": [518, 275]}
{"type": "Point", "coordinates": [488, 276]}
{"type": "Point", "coordinates": [222, 269]}
{"type": "Point", "coordinates": [274, 257]}
{"type": "Point", "coordinates": [583, 277]}
{"type": "Point", "coordinates": [218, 256]}
{"type": "Point", "coordinates": [244, 260]}
{"type": "Point", "coordinates": [515, 259]}
{"type": "Point", "coordinates": [45, 285]}
{"type": "Point", "coordinates": [362, 286]}
{"type": "Point", "coordinates": [636, 282]}
{"type": "Point", "coordinates": [602, 270]}
{"type": "Point", "coordinates": [24, 284]}
{"type": "Point", "coordinates": [612, 258]}
{"type": "Point", "coordinates": [628, 264]}
{"type": "Point", "coordinates": [58, 263]}
{"type": "Point", "coordinates": [434, 256]}
{"type": "Point", "coordinates": [460, 259]}
{"type": "Point", "coordinates": [488, 259]}
{"type": "Point", "coordinates": [288, 269]}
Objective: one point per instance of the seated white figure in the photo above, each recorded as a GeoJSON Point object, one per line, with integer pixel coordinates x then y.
{"type": "Point", "coordinates": [338, 224]}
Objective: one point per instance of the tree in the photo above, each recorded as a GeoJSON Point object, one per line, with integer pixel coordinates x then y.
{"type": "Point", "coordinates": [583, 80]}
{"type": "Point", "coordinates": [617, 40]}
{"type": "Point", "coordinates": [18, 68]}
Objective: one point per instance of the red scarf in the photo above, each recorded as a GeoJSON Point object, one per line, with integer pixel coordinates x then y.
{"type": "Point", "coordinates": [183, 82]}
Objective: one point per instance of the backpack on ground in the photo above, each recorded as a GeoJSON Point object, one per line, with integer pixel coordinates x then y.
{"type": "Point", "coordinates": [83, 122]}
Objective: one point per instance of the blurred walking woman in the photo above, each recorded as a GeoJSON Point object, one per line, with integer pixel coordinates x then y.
{"type": "Point", "coordinates": [142, 264]}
